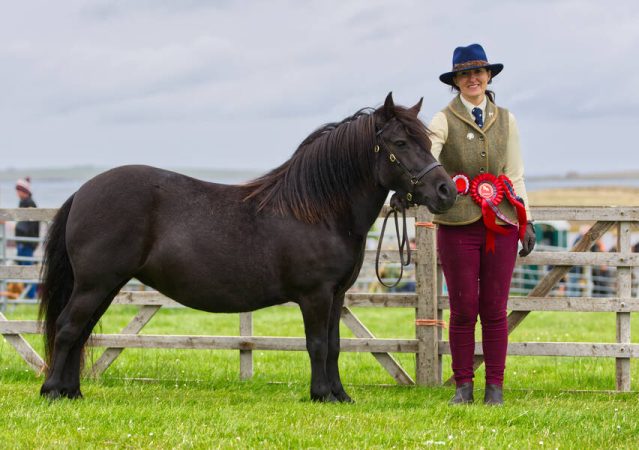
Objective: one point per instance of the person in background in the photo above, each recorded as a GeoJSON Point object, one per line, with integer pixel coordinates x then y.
{"type": "Point", "coordinates": [28, 229]}
{"type": "Point", "coordinates": [477, 142]}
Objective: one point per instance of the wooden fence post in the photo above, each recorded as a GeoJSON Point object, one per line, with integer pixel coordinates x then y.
{"type": "Point", "coordinates": [624, 290]}
{"type": "Point", "coordinates": [440, 317]}
{"type": "Point", "coordinates": [427, 368]}
{"type": "Point", "coordinates": [246, 356]}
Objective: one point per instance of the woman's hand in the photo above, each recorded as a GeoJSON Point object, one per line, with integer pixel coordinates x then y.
{"type": "Point", "coordinates": [528, 243]}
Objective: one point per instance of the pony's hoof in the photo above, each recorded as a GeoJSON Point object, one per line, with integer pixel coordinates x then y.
{"type": "Point", "coordinates": [50, 395]}
{"type": "Point", "coordinates": [343, 397]}
{"type": "Point", "coordinates": [55, 394]}
{"type": "Point", "coordinates": [74, 394]}
{"type": "Point", "coordinates": [48, 391]}
{"type": "Point", "coordinates": [328, 398]}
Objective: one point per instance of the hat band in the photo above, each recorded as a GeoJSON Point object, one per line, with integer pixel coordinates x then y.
{"type": "Point", "coordinates": [467, 64]}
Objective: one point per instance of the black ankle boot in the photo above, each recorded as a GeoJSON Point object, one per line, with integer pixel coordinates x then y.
{"type": "Point", "coordinates": [493, 395]}
{"type": "Point", "coordinates": [463, 394]}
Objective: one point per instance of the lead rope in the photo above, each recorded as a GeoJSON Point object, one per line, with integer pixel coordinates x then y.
{"type": "Point", "coordinates": [400, 245]}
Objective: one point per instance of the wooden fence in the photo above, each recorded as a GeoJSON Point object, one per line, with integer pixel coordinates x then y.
{"type": "Point", "coordinates": [428, 302]}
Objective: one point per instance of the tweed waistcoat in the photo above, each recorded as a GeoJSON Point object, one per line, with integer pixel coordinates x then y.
{"type": "Point", "coordinates": [472, 150]}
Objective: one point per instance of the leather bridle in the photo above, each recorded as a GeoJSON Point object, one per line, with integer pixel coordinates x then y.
{"type": "Point", "coordinates": [415, 181]}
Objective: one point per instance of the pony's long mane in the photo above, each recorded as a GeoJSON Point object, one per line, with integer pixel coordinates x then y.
{"type": "Point", "coordinates": [317, 181]}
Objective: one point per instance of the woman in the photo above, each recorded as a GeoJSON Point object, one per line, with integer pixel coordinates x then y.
{"type": "Point", "coordinates": [478, 144]}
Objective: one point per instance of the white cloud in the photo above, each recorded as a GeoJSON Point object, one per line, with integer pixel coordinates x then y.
{"type": "Point", "coordinates": [239, 84]}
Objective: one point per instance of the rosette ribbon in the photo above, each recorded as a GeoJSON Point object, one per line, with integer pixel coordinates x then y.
{"type": "Point", "coordinates": [487, 191]}
{"type": "Point", "coordinates": [517, 202]}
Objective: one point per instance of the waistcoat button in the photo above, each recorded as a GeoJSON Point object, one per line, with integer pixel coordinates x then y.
{"type": "Point", "coordinates": [483, 154]}
{"type": "Point", "coordinates": [482, 170]}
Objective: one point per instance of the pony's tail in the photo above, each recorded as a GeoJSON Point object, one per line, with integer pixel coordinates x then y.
{"type": "Point", "coordinates": [57, 277]}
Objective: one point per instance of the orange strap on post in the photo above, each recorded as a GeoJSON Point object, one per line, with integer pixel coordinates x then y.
{"type": "Point", "coordinates": [42, 370]}
{"type": "Point", "coordinates": [425, 224]}
{"type": "Point", "coordinates": [431, 323]}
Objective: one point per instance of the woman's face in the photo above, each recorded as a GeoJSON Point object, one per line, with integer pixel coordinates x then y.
{"type": "Point", "coordinates": [472, 83]}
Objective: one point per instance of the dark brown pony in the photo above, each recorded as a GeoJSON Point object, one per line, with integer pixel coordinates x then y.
{"type": "Point", "coordinates": [295, 234]}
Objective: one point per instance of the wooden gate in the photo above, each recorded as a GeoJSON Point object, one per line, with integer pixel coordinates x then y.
{"type": "Point", "coordinates": [428, 302]}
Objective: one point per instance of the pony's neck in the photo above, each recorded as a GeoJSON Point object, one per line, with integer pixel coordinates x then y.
{"type": "Point", "coordinates": [365, 210]}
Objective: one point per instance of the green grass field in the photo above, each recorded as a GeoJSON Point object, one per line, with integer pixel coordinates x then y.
{"type": "Point", "coordinates": [193, 399]}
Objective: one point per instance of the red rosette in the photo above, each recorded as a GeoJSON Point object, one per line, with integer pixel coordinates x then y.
{"type": "Point", "coordinates": [516, 201]}
{"type": "Point", "coordinates": [488, 191]}
{"type": "Point", "coordinates": [486, 187]}
{"type": "Point", "coordinates": [462, 182]}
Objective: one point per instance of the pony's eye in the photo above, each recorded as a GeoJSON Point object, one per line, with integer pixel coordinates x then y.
{"type": "Point", "coordinates": [400, 143]}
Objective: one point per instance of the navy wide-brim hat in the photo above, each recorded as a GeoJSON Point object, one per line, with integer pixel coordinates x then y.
{"type": "Point", "coordinates": [467, 58]}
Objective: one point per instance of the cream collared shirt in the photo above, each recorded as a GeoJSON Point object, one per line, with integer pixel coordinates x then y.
{"type": "Point", "coordinates": [514, 167]}
{"type": "Point", "coordinates": [469, 107]}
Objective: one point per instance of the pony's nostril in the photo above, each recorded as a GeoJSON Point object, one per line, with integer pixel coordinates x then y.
{"type": "Point", "coordinates": [444, 190]}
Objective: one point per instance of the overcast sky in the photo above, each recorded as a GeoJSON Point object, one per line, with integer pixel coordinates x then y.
{"type": "Point", "coordinates": [238, 84]}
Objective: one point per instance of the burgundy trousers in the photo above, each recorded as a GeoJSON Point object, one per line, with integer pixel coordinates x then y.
{"type": "Point", "coordinates": [478, 284]}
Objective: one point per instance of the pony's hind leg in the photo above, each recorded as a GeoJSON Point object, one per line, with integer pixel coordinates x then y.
{"type": "Point", "coordinates": [73, 327]}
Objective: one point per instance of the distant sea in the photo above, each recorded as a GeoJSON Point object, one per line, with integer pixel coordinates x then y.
{"type": "Point", "coordinates": [543, 183]}
{"type": "Point", "coordinates": [52, 191]}
{"type": "Point", "coordinates": [52, 188]}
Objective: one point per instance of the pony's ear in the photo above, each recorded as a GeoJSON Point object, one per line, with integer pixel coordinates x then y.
{"type": "Point", "coordinates": [389, 107]}
{"type": "Point", "coordinates": [389, 104]}
{"type": "Point", "coordinates": [418, 106]}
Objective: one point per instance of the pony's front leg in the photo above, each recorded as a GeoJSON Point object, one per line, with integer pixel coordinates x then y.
{"type": "Point", "coordinates": [316, 310]}
{"type": "Point", "coordinates": [332, 360]}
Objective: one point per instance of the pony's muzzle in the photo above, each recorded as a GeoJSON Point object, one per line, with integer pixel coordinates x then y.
{"type": "Point", "coordinates": [446, 193]}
